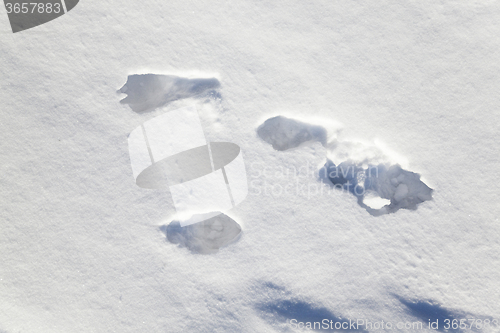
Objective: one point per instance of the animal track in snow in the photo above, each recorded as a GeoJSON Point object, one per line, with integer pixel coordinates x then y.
{"type": "Point", "coordinates": [204, 237]}
{"type": "Point", "coordinates": [380, 185]}
{"type": "Point", "coordinates": [147, 92]}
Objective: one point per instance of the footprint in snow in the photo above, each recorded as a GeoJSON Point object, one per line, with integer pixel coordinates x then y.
{"type": "Point", "coordinates": [380, 189]}
{"type": "Point", "coordinates": [204, 237]}
{"type": "Point", "coordinates": [147, 92]}
{"type": "Point", "coordinates": [379, 186]}
{"type": "Point", "coordinates": [286, 133]}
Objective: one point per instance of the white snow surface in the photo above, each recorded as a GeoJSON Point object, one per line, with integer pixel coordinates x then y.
{"type": "Point", "coordinates": [81, 248]}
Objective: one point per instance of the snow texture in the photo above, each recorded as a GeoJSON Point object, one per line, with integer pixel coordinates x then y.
{"type": "Point", "coordinates": [414, 83]}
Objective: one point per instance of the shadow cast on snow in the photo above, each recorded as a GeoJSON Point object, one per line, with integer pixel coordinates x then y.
{"type": "Point", "coordinates": [445, 320]}
{"type": "Point", "coordinates": [283, 311]}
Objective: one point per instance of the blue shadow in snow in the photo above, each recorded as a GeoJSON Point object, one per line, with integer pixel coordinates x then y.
{"type": "Point", "coordinates": [428, 310]}
{"type": "Point", "coordinates": [286, 310]}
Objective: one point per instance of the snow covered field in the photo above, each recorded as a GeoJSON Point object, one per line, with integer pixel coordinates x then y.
{"type": "Point", "coordinates": [412, 85]}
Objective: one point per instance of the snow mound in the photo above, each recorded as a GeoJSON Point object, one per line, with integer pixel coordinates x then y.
{"type": "Point", "coordinates": [286, 133]}
{"type": "Point", "coordinates": [147, 92]}
{"type": "Point", "coordinates": [402, 188]}
{"type": "Point", "coordinates": [204, 237]}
